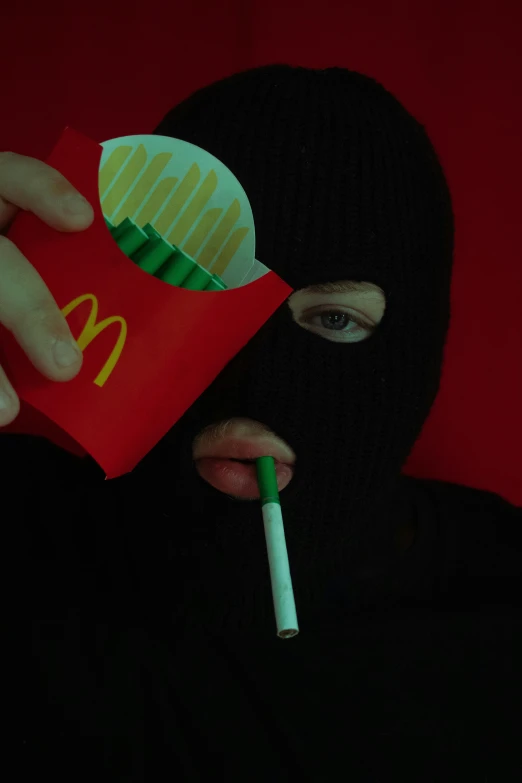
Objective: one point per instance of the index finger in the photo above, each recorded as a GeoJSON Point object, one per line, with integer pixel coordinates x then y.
{"type": "Point", "coordinates": [30, 184]}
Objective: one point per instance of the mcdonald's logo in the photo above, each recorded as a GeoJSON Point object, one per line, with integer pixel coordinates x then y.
{"type": "Point", "coordinates": [93, 328]}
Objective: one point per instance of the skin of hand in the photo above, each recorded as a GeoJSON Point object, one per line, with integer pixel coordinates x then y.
{"type": "Point", "coordinates": [27, 308]}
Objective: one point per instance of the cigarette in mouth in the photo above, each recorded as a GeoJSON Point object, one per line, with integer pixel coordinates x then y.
{"type": "Point", "coordinates": [282, 590]}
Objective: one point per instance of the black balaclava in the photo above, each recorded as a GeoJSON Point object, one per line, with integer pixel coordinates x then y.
{"type": "Point", "coordinates": [344, 184]}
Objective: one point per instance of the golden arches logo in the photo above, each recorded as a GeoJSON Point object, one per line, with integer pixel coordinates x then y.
{"type": "Point", "coordinates": [133, 186]}
{"type": "Point", "coordinates": [93, 328]}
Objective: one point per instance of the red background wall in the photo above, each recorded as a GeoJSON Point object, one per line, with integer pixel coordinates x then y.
{"type": "Point", "coordinates": [455, 64]}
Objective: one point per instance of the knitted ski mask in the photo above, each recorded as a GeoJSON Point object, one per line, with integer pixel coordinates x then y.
{"type": "Point", "coordinates": [344, 185]}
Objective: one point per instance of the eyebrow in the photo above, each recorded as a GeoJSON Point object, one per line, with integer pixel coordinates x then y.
{"type": "Point", "coordinates": [341, 287]}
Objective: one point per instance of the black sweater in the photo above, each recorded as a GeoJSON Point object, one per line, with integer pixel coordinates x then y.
{"type": "Point", "coordinates": [419, 681]}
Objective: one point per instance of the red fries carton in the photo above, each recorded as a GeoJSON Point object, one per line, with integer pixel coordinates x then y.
{"type": "Point", "coordinates": [150, 348]}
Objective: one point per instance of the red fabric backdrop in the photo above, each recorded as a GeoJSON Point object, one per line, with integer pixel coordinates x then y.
{"type": "Point", "coordinates": [456, 64]}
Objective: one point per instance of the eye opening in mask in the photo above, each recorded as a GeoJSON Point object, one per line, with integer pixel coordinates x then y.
{"type": "Point", "coordinates": [344, 311]}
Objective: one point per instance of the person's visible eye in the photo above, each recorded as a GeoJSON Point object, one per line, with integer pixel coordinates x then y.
{"type": "Point", "coordinates": [343, 311]}
{"type": "Point", "coordinates": [337, 324]}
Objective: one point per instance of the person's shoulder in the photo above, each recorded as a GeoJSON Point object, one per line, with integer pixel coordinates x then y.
{"type": "Point", "coordinates": [485, 509]}
{"type": "Point", "coordinates": [479, 535]}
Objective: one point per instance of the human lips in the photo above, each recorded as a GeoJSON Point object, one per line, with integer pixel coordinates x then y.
{"type": "Point", "coordinates": [225, 456]}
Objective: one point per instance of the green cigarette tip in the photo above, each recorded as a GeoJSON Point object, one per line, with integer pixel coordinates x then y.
{"type": "Point", "coordinates": [267, 480]}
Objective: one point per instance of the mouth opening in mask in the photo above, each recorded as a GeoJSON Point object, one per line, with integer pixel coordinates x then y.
{"type": "Point", "coordinates": [225, 453]}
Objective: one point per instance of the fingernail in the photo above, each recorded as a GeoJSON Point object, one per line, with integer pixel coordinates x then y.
{"type": "Point", "coordinates": [76, 205]}
{"type": "Point", "coordinates": [66, 353]}
{"type": "Point", "coordinates": [5, 401]}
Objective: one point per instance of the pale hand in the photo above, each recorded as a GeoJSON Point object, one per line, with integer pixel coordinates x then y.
{"type": "Point", "coordinates": [27, 308]}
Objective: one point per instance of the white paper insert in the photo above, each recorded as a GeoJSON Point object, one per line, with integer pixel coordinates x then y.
{"type": "Point", "coordinates": [190, 197]}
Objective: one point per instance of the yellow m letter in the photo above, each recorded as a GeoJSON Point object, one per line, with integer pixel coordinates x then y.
{"type": "Point", "coordinates": [92, 329]}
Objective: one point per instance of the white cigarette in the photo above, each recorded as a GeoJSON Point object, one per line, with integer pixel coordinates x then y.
{"type": "Point", "coordinates": [282, 590]}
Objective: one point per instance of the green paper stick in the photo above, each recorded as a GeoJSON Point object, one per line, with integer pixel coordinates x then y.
{"type": "Point", "coordinates": [198, 279]}
{"type": "Point", "coordinates": [216, 284]}
{"type": "Point", "coordinates": [150, 231]}
{"type": "Point", "coordinates": [153, 254]}
{"type": "Point", "coordinates": [131, 240]}
{"type": "Point", "coordinates": [122, 227]}
{"type": "Point", "coordinates": [177, 268]}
